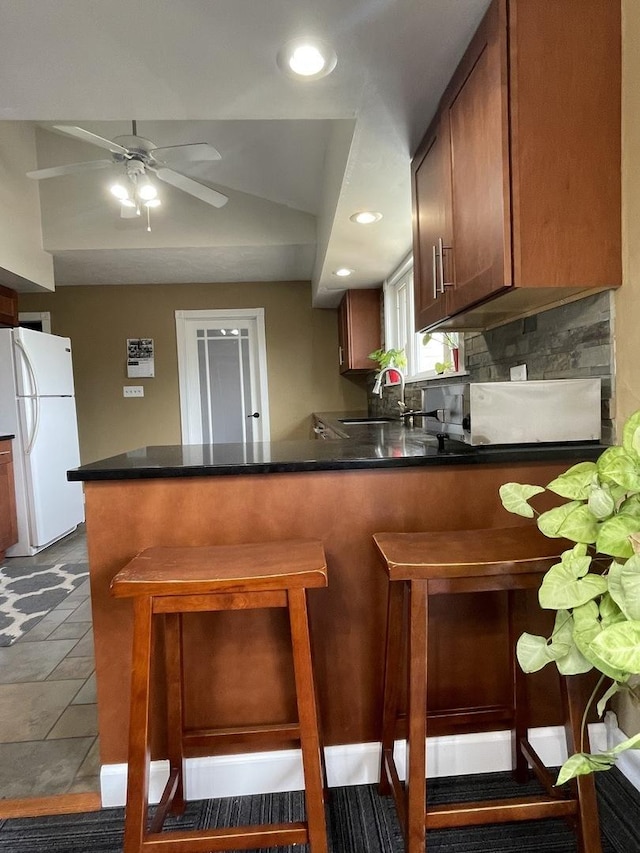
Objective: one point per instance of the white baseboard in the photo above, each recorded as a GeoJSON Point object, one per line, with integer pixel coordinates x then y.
{"type": "Point", "coordinates": [351, 764]}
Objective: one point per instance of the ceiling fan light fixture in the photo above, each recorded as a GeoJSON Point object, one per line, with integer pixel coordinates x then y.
{"type": "Point", "coordinates": [127, 202]}
{"type": "Point", "coordinates": [119, 191]}
{"type": "Point", "coordinates": [152, 202]}
{"type": "Point", "coordinates": [306, 58]}
{"type": "Point", "coordinates": [147, 191]}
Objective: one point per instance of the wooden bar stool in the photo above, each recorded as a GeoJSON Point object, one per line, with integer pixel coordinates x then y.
{"type": "Point", "coordinates": [420, 565]}
{"type": "Point", "coordinates": [173, 581]}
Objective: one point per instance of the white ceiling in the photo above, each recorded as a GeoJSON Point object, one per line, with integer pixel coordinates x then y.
{"type": "Point", "coordinates": [298, 158]}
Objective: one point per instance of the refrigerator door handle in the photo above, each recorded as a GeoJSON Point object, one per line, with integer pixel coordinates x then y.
{"type": "Point", "coordinates": [35, 402]}
{"type": "Point", "coordinates": [34, 399]}
{"type": "Point", "coordinates": [31, 371]}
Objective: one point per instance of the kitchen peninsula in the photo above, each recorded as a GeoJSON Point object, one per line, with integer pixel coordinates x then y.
{"type": "Point", "coordinates": [384, 477]}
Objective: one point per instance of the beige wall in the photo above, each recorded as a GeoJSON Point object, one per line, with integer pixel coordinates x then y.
{"type": "Point", "coordinates": [301, 357]}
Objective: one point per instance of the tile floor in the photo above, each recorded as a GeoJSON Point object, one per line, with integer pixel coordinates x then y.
{"type": "Point", "coordinates": [48, 720]}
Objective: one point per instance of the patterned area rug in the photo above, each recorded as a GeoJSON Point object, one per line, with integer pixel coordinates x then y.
{"type": "Point", "coordinates": [28, 593]}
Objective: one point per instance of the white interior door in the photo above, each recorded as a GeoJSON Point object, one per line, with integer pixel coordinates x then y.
{"type": "Point", "coordinates": [222, 367]}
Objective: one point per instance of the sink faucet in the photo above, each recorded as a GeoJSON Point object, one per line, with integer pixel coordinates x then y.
{"type": "Point", "coordinates": [378, 386]}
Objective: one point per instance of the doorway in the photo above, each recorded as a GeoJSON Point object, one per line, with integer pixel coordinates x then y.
{"type": "Point", "coordinates": [222, 371]}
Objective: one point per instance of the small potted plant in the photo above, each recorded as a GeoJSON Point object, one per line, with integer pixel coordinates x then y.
{"type": "Point", "coordinates": [450, 340]}
{"type": "Point", "coordinates": [595, 588]}
{"type": "Point", "coordinates": [390, 358]}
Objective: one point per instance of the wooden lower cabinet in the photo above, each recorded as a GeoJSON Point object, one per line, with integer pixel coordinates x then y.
{"type": "Point", "coordinates": [236, 664]}
{"type": "Point", "coordinates": [528, 210]}
{"type": "Point", "coordinates": [8, 520]}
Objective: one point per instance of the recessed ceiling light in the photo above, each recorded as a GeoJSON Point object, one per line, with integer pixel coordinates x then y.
{"type": "Point", "coordinates": [343, 272]}
{"type": "Point", "coordinates": [366, 217]}
{"type": "Point", "coordinates": [309, 59]}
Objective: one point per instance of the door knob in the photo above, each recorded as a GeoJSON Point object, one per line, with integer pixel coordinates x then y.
{"type": "Point", "coordinates": [254, 415]}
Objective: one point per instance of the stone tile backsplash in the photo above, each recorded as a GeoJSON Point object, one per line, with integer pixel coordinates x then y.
{"type": "Point", "coordinates": [569, 342]}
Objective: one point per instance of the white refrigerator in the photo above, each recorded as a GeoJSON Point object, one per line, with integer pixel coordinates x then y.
{"type": "Point", "coordinates": [38, 406]}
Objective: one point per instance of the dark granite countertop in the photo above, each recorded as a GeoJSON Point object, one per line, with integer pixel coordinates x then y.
{"type": "Point", "coordinates": [383, 445]}
{"type": "Point", "coordinates": [6, 437]}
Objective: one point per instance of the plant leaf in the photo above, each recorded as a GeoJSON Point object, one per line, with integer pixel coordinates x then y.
{"type": "Point", "coordinates": [582, 763]}
{"type": "Point", "coordinates": [630, 584]}
{"type": "Point", "coordinates": [561, 590]}
{"type": "Point", "coordinates": [571, 521]}
{"type": "Point", "coordinates": [610, 613]}
{"type": "Point", "coordinates": [613, 535]}
{"type": "Point", "coordinates": [619, 646]}
{"type": "Point", "coordinates": [532, 652]}
{"type": "Point", "coordinates": [617, 466]}
{"type": "Point", "coordinates": [515, 496]}
{"type": "Point", "coordinates": [586, 628]}
{"type": "Point", "coordinates": [608, 694]}
{"type": "Point", "coordinates": [631, 435]}
{"type": "Point", "coordinates": [600, 502]}
{"type": "Point", "coordinates": [576, 482]}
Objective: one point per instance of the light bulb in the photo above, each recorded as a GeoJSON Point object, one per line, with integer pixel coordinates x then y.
{"type": "Point", "coordinates": [343, 272]}
{"type": "Point", "coordinates": [119, 191]}
{"type": "Point", "coordinates": [306, 60]}
{"type": "Point", "coordinates": [152, 202]}
{"type": "Point", "coordinates": [147, 191]}
{"type": "Point", "coordinates": [366, 217]}
{"type": "Point", "coordinates": [127, 202]}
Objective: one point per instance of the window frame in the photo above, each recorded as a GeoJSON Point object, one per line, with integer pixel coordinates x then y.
{"type": "Point", "coordinates": [402, 277]}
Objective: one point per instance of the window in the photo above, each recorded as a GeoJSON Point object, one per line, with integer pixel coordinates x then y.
{"type": "Point", "coordinates": [424, 360]}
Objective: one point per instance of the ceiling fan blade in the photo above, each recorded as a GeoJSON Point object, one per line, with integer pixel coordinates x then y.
{"type": "Point", "coordinates": [69, 169]}
{"type": "Point", "coordinates": [190, 152]}
{"type": "Point", "coordinates": [87, 136]}
{"type": "Point", "coordinates": [181, 182]}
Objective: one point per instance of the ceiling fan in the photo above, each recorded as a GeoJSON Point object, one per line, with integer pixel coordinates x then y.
{"type": "Point", "coordinates": [139, 156]}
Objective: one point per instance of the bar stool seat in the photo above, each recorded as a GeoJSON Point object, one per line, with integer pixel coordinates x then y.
{"type": "Point", "coordinates": [421, 565]}
{"type": "Point", "coordinates": [175, 580]}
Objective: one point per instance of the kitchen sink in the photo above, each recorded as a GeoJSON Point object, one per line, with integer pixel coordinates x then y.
{"type": "Point", "coordinates": [353, 421]}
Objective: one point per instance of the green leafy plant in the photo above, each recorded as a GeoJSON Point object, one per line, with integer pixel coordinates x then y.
{"type": "Point", "coordinates": [595, 588]}
{"type": "Point", "coordinates": [389, 358]}
{"type": "Point", "coordinates": [449, 339]}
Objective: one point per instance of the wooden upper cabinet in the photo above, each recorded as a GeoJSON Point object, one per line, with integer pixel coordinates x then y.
{"type": "Point", "coordinates": [8, 307]}
{"type": "Point", "coordinates": [531, 125]}
{"type": "Point", "coordinates": [358, 330]}
{"type": "Point", "coordinates": [432, 225]}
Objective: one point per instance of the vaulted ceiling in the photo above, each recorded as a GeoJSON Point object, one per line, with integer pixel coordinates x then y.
{"type": "Point", "coordinates": [298, 157]}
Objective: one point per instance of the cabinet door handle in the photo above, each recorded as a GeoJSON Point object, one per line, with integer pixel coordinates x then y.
{"type": "Point", "coordinates": [4, 452]}
{"type": "Point", "coordinates": [340, 356]}
{"type": "Point", "coordinates": [441, 248]}
{"type": "Point", "coordinates": [435, 274]}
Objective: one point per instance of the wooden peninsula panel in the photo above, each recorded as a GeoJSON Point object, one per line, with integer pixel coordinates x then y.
{"type": "Point", "coordinates": [238, 664]}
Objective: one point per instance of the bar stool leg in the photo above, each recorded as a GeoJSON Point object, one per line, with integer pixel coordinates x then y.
{"type": "Point", "coordinates": [139, 754]}
{"type": "Point", "coordinates": [417, 718]}
{"type": "Point", "coordinates": [174, 693]}
{"type": "Point", "coordinates": [587, 822]}
{"type": "Point", "coordinates": [516, 606]}
{"type": "Point", "coordinates": [392, 671]}
{"type": "Point", "coordinates": [308, 718]}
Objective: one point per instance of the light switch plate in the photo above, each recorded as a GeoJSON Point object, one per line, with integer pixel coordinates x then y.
{"type": "Point", "coordinates": [518, 373]}
{"type": "Point", "coordinates": [132, 391]}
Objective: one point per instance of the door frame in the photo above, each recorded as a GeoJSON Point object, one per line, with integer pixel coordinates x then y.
{"type": "Point", "coordinates": [186, 388]}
